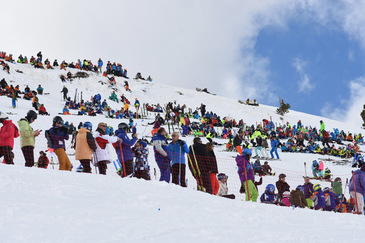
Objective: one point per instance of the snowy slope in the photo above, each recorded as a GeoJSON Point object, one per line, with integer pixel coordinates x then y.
{"type": "Point", "coordinates": [50, 206]}
{"type": "Point", "coordinates": [106, 208]}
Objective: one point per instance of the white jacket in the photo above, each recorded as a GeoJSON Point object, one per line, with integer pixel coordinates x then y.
{"type": "Point", "coordinates": [102, 151]}
{"type": "Point", "coordinates": [223, 189]}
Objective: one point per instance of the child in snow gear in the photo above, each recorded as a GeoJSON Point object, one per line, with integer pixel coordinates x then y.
{"type": "Point", "coordinates": [297, 198]}
{"type": "Point", "coordinates": [269, 195]}
{"type": "Point", "coordinates": [141, 168]}
{"type": "Point", "coordinates": [223, 188]}
{"type": "Point", "coordinates": [43, 160]}
{"type": "Point", "coordinates": [27, 137]}
{"type": "Point", "coordinates": [318, 198]}
{"type": "Point", "coordinates": [337, 186]}
{"type": "Point", "coordinates": [317, 169]}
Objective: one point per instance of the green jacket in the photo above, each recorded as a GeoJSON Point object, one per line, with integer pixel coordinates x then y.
{"type": "Point", "coordinates": [337, 188]}
{"type": "Point", "coordinates": [26, 133]}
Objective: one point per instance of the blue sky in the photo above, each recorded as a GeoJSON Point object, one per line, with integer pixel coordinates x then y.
{"type": "Point", "coordinates": [323, 57]}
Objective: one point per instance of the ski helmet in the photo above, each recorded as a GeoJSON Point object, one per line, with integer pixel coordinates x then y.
{"type": "Point", "coordinates": [286, 194]}
{"type": "Point", "coordinates": [246, 152]}
{"type": "Point", "coordinates": [31, 114]}
{"type": "Point", "coordinates": [58, 120]}
{"type": "Point", "coordinates": [123, 126]}
{"type": "Point", "coordinates": [222, 176]}
{"type": "Point", "coordinates": [88, 126]}
{"type": "Point", "coordinates": [317, 187]}
{"type": "Point", "coordinates": [282, 176]}
{"type": "Point", "coordinates": [315, 163]}
{"type": "Point", "coordinates": [300, 187]}
{"type": "Point", "coordinates": [270, 188]}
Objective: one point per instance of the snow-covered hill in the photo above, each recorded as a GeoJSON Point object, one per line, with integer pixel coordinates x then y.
{"type": "Point", "coordinates": [48, 205]}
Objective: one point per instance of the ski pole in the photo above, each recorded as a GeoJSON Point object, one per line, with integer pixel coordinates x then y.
{"type": "Point", "coordinates": [353, 181]}
{"type": "Point", "coordinates": [121, 154]}
{"type": "Point", "coordinates": [305, 168]}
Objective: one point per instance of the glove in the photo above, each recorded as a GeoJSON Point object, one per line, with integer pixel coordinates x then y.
{"type": "Point", "coordinates": [64, 129]}
{"type": "Point", "coordinates": [181, 142]}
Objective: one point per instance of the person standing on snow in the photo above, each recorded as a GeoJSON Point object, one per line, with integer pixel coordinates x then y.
{"type": "Point", "coordinates": [323, 126]}
{"type": "Point", "coordinates": [85, 146]}
{"type": "Point", "coordinates": [124, 148]}
{"type": "Point", "coordinates": [178, 150]}
{"type": "Point", "coordinates": [27, 137]}
{"type": "Point", "coordinates": [65, 92]}
{"type": "Point", "coordinates": [274, 148]}
{"type": "Point", "coordinates": [102, 152]}
{"type": "Point", "coordinates": [58, 134]}
{"type": "Point", "coordinates": [100, 65]}
{"type": "Point", "coordinates": [162, 156]}
{"type": "Point", "coordinates": [7, 134]}
{"type": "Point", "coordinates": [246, 175]}
{"type": "Point", "coordinates": [358, 182]}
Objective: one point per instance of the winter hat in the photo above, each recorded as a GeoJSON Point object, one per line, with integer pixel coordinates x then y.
{"type": "Point", "coordinates": [143, 144]}
{"type": "Point", "coordinates": [363, 167]}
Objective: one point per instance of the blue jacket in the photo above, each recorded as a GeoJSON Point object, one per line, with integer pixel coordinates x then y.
{"type": "Point", "coordinates": [359, 178]}
{"type": "Point", "coordinates": [274, 144]}
{"type": "Point", "coordinates": [126, 145]}
{"type": "Point", "coordinates": [178, 152]}
{"type": "Point", "coordinates": [58, 135]}
{"type": "Point", "coordinates": [319, 200]}
{"type": "Point", "coordinates": [100, 63]}
{"type": "Point", "coordinates": [330, 200]}
{"type": "Point", "coordinates": [267, 197]}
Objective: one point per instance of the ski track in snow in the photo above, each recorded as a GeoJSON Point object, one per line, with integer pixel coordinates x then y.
{"type": "Point", "coordinates": [52, 206]}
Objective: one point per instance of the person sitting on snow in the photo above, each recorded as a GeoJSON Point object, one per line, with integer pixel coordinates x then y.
{"type": "Point", "coordinates": [269, 195]}
{"type": "Point", "coordinates": [223, 188]}
{"type": "Point", "coordinates": [318, 198]}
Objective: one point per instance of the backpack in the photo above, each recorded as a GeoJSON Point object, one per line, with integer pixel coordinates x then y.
{"type": "Point", "coordinates": [49, 141]}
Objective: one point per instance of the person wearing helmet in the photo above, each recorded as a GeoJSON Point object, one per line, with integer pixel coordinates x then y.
{"type": "Point", "coordinates": [274, 148]}
{"type": "Point", "coordinates": [223, 188]}
{"type": "Point", "coordinates": [245, 172]}
{"type": "Point", "coordinates": [285, 200]}
{"type": "Point", "coordinates": [85, 146]}
{"type": "Point", "coordinates": [308, 191]}
{"type": "Point", "coordinates": [282, 186]}
{"type": "Point", "coordinates": [317, 169]}
{"type": "Point", "coordinates": [318, 198]}
{"type": "Point", "coordinates": [330, 199]}
{"type": "Point", "coordinates": [124, 148]}
{"type": "Point", "coordinates": [297, 198]}
{"type": "Point", "coordinates": [58, 134]}
{"type": "Point", "coordinates": [7, 134]}
{"type": "Point", "coordinates": [269, 195]}
{"type": "Point", "coordinates": [27, 137]}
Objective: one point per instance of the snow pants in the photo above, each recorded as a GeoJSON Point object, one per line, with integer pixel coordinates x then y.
{"type": "Point", "coordinates": [6, 152]}
{"type": "Point", "coordinates": [63, 159]}
{"type": "Point", "coordinates": [258, 149]}
{"type": "Point", "coordinates": [86, 165]}
{"type": "Point", "coordinates": [317, 173]}
{"type": "Point", "coordinates": [178, 172]}
{"type": "Point", "coordinates": [28, 155]}
{"type": "Point", "coordinates": [251, 191]}
{"type": "Point", "coordinates": [360, 202]}
{"type": "Point", "coordinates": [215, 183]}
{"type": "Point", "coordinates": [164, 167]}
{"type": "Point", "coordinates": [276, 153]}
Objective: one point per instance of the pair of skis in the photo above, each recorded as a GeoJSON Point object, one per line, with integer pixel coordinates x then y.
{"type": "Point", "coordinates": [118, 167]}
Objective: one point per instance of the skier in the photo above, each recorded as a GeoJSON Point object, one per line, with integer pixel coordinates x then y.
{"type": "Point", "coordinates": [223, 188]}
{"type": "Point", "coordinates": [178, 150]}
{"type": "Point", "coordinates": [27, 137]}
{"type": "Point", "coordinates": [7, 134]}
{"type": "Point", "coordinates": [357, 183]}
{"type": "Point", "coordinates": [123, 148]}
{"type": "Point", "coordinates": [274, 148]}
{"type": "Point", "coordinates": [102, 157]}
{"type": "Point", "coordinates": [318, 198]}
{"type": "Point", "coordinates": [85, 146]}
{"type": "Point", "coordinates": [162, 156]}
{"type": "Point", "coordinates": [282, 186]}
{"type": "Point", "coordinates": [58, 134]}
{"type": "Point", "coordinates": [246, 174]}
{"type": "Point", "coordinates": [269, 195]}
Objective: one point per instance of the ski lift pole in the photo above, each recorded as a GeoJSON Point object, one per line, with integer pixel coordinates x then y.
{"type": "Point", "coordinates": [305, 169]}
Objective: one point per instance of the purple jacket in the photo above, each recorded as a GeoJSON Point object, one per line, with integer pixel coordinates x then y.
{"type": "Point", "coordinates": [308, 190]}
{"type": "Point", "coordinates": [240, 160]}
{"type": "Point", "coordinates": [359, 178]}
{"type": "Point", "coordinates": [58, 135]}
{"type": "Point", "coordinates": [126, 145]}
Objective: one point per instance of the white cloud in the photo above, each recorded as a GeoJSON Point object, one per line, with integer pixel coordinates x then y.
{"type": "Point", "coordinates": [304, 83]}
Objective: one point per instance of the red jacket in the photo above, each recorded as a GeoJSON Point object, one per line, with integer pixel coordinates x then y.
{"type": "Point", "coordinates": [7, 134]}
